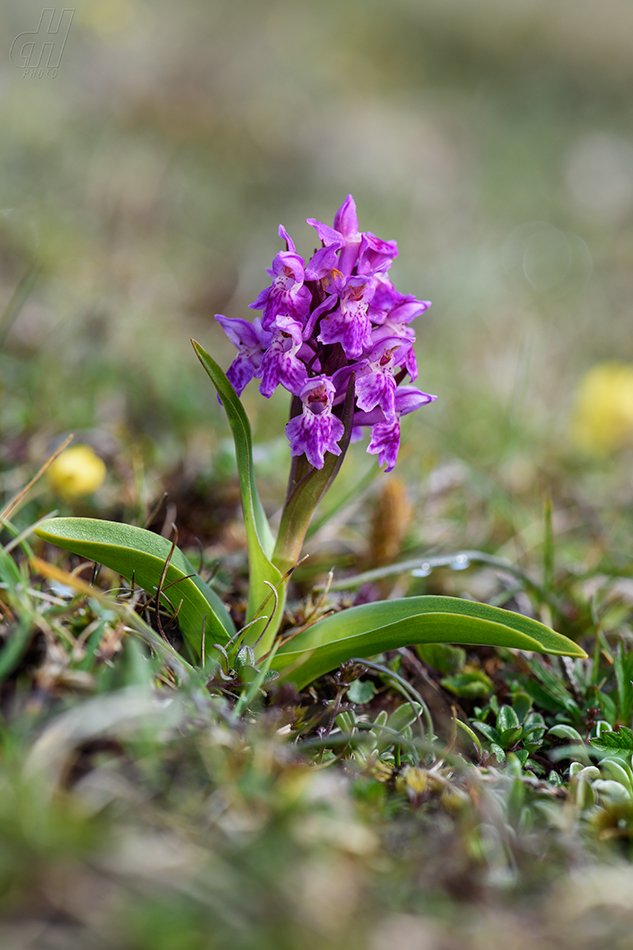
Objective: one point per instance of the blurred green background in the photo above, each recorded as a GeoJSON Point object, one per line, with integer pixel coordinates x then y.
{"type": "Point", "coordinates": [142, 186]}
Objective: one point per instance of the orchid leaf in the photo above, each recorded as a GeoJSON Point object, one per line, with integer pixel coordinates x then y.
{"type": "Point", "coordinates": [259, 536]}
{"type": "Point", "coordinates": [140, 556]}
{"type": "Point", "coordinates": [388, 625]}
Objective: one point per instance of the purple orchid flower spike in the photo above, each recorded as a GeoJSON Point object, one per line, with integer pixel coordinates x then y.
{"type": "Point", "coordinates": [337, 335]}
{"type": "Point", "coordinates": [322, 321]}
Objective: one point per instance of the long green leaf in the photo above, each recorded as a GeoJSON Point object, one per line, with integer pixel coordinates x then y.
{"type": "Point", "coordinates": [259, 537]}
{"type": "Point", "coordinates": [141, 555]}
{"type": "Point", "coordinates": [373, 628]}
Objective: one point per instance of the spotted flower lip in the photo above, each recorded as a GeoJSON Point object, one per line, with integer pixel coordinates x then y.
{"type": "Point", "coordinates": [385, 442]}
{"type": "Point", "coordinates": [287, 293]}
{"type": "Point", "coordinates": [316, 431]}
{"type": "Point", "coordinates": [349, 324]}
{"type": "Point", "coordinates": [280, 363]}
{"type": "Point", "coordinates": [375, 378]}
{"type": "Point", "coordinates": [322, 321]}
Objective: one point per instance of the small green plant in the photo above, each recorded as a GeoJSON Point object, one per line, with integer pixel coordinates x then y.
{"type": "Point", "coordinates": [335, 333]}
{"type": "Point", "coordinates": [517, 728]}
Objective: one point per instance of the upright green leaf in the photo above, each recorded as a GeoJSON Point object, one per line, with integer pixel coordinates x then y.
{"type": "Point", "coordinates": [141, 555]}
{"type": "Point", "coordinates": [259, 537]}
{"type": "Point", "coordinates": [387, 625]}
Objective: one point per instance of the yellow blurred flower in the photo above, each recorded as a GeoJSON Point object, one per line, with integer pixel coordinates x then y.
{"type": "Point", "coordinates": [77, 471]}
{"type": "Point", "coordinates": [603, 417]}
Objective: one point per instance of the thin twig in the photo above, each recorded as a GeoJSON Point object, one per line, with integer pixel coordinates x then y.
{"type": "Point", "coordinates": [179, 580]}
{"type": "Point", "coordinates": [279, 583]}
{"type": "Point", "coordinates": [159, 589]}
{"type": "Point", "coordinates": [306, 626]}
{"type": "Point", "coordinates": [201, 550]}
{"type": "Point", "coordinates": [274, 611]}
{"type": "Point", "coordinates": [17, 499]}
{"type": "Point", "coordinates": [159, 504]}
{"type": "Point", "coordinates": [321, 600]}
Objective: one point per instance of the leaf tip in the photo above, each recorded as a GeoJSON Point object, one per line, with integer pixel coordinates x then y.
{"type": "Point", "coordinates": [574, 651]}
{"type": "Point", "coordinates": [43, 529]}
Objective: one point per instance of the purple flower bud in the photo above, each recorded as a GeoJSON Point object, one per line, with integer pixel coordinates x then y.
{"type": "Point", "coordinates": [346, 219]}
{"type": "Point", "coordinates": [375, 255]}
{"type": "Point", "coordinates": [410, 398]}
{"type": "Point", "coordinates": [344, 234]}
{"type": "Point", "coordinates": [316, 431]}
{"type": "Point", "coordinates": [322, 262]}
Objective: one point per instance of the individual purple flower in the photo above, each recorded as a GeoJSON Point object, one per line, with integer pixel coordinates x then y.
{"type": "Point", "coordinates": [349, 324]}
{"type": "Point", "coordinates": [385, 432]}
{"type": "Point", "coordinates": [316, 431]}
{"type": "Point", "coordinates": [251, 341]}
{"type": "Point", "coordinates": [375, 379]}
{"type": "Point", "coordinates": [344, 234]}
{"type": "Point", "coordinates": [405, 337]}
{"type": "Point", "coordinates": [322, 262]}
{"type": "Point", "coordinates": [280, 363]}
{"type": "Point", "coordinates": [287, 293]}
